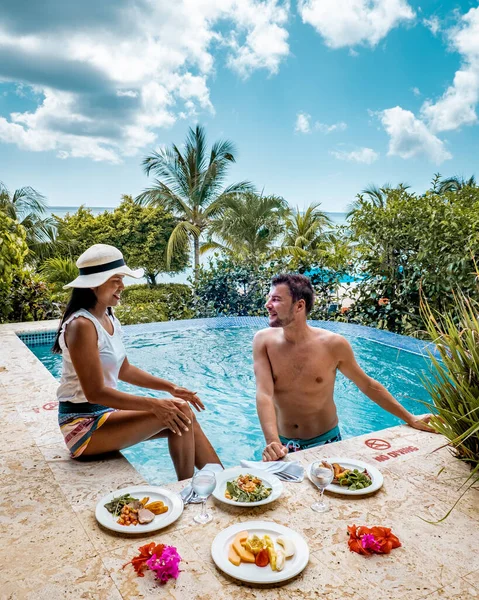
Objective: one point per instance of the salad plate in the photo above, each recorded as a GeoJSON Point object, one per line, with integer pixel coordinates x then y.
{"type": "Point", "coordinates": [232, 483]}
{"type": "Point", "coordinates": [352, 464]}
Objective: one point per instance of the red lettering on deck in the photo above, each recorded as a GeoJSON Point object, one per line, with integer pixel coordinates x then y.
{"type": "Point", "coordinates": [395, 453]}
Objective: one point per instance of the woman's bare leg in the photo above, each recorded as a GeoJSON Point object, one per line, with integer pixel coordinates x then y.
{"type": "Point", "coordinates": [204, 451]}
{"type": "Point", "coordinates": [126, 428]}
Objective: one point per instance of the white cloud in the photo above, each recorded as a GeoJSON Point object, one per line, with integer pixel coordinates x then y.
{"type": "Point", "coordinates": [457, 106]}
{"type": "Point", "coordinates": [352, 52]}
{"type": "Point", "coordinates": [266, 42]}
{"type": "Point", "coordinates": [416, 91]}
{"type": "Point", "coordinates": [350, 22]}
{"type": "Point", "coordinates": [410, 137]}
{"type": "Point", "coordinates": [433, 24]}
{"type": "Point", "coordinates": [324, 128]}
{"type": "Point", "coordinates": [303, 123]}
{"type": "Point", "coordinates": [362, 155]}
{"type": "Point", "coordinates": [106, 85]}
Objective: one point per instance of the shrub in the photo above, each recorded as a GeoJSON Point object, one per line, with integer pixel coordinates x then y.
{"type": "Point", "coordinates": [171, 300]}
{"type": "Point", "coordinates": [235, 287]}
{"type": "Point", "coordinates": [31, 299]}
{"type": "Point", "coordinates": [412, 245]}
{"type": "Point", "coordinates": [140, 233]}
{"type": "Point", "coordinates": [141, 313]}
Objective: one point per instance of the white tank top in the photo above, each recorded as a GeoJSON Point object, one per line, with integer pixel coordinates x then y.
{"type": "Point", "coordinates": [112, 355]}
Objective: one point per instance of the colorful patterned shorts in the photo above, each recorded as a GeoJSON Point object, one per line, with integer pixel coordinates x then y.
{"type": "Point", "coordinates": [78, 422]}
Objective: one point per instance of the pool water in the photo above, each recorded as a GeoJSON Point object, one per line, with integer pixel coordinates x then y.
{"type": "Point", "coordinates": [217, 364]}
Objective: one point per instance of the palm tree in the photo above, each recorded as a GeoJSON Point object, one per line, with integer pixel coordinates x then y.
{"type": "Point", "coordinates": [248, 226]}
{"type": "Point", "coordinates": [455, 184]}
{"type": "Point", "coordinates": [375, 196]}
{"type": "Point", "coordinates": [190, 185]}
{"type": "Point", "coordinates": [28, 207]}
{"type": "Point", "coordinates": [305, 231]}
{"type": "Point", "coordinates": [59, 271]}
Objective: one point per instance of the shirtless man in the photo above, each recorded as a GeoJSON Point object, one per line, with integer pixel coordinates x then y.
{"type": "Point", "coordinates": [295, 367]}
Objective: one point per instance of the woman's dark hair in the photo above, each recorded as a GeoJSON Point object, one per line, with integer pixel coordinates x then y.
{"type": "Point", "coordinates": [80, 298]}
{"type": "Point", "coordinates": [299, 286]}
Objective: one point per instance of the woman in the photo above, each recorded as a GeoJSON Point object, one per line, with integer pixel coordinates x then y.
{"type": "Point", "coordinates": [94, 416]}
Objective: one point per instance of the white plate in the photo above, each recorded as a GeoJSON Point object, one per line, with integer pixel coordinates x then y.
{"type": "Point", "coordinates": [269, 480]}
{"type": "Point", "coordinates": [250, 572]}
{"type": "Point", "coordinates": [352, 463]}
{"type": "Point", "coordinates": [170, 499]}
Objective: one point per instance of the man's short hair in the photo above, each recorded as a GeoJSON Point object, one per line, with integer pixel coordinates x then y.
{"type": "Point", "coordinates": [299, 287]}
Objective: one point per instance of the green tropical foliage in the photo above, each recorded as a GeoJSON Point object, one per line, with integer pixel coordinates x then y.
{"type": "Point", "coordinates": [59, 271]}
{"type": "Point", "coordinates": [190, 184]}
{"type": "Point", "coordinates": [413, 243]}
{"type": "Point", "coordinates": [306, 231]}
{"type": "Point", "coordinates": [453, 384]}
{"type": "Point", "coordinates": [30, 299]}
{"type": "Point", "coordinates": [162, 302]}
{"type": "Point", "coordinates": [141, 233]}
{"type": "Point", "coordinates": [27, 206]}
{"type": "Point", "coordinates": [13, 250]}
{"type": "Point", "coordinates": [455, 184]}
{"type": "Point", "coordinates": [374, 196]}
{"type": "Point", "coordinates": [248, 226]}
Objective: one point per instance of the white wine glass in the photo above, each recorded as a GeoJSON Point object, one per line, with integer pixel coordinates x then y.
{"type": "Point", "coordinates": [203, 484]}
{"type": "Point", "coordinates": [322, 474]}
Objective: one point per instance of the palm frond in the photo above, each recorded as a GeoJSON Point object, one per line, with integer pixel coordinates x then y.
{"type": "Point", "coordinates": [179, 239]}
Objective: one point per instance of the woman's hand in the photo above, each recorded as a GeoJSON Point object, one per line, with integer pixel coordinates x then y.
{"type": "Point", "coordinates": [191, 397]}
{"type": "Point", "coordinates": [169, 413]}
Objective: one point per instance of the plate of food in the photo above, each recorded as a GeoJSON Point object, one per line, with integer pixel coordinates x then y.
{"type": "Point", "coordinates": [260, 552]}
{"type": "Point", "coordinates": [240, 486]}
{"type": "Point", "coordinates": [352, 477]}
{"type": "Point", "coordinates": [138, 509]}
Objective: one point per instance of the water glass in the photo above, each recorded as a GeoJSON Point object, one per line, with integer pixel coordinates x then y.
{"type": "Point", "coordinates": [203, 484]}
{"type": "Point", "coordinates": [322, 474]}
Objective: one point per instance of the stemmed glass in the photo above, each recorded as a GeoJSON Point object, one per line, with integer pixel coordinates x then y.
{"type": "Point", "coordinates": [203, 483]}
{"type": "Point", "coordinates": [322, 474]}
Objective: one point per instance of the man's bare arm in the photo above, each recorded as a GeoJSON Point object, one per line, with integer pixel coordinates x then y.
{"type": "Point", "coordinates": [264, 400]}
{"type": "Point", "coordinates": [373, 389]}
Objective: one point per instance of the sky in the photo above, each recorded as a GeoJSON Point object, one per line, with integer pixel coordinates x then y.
{"type": "Point", "coordinates": [320, 97]}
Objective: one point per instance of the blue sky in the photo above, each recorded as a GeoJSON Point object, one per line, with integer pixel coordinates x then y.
{"type": "Point", "coordinates": [321, 97]}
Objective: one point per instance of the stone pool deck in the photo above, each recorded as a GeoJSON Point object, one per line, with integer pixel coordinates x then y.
{"type": "Point", "coordinates": [52, 548]}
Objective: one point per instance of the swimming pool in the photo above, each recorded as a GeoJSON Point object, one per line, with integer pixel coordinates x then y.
{"type": "Point", "coordinates": [214, 358]}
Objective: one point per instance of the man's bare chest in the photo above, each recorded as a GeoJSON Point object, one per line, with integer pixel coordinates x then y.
{"type": "Point", "coordinates": [306, 365]}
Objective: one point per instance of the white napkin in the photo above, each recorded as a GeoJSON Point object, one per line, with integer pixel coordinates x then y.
{"type": "Point", "coordinates": [186, 491]}
{"type": "Point", "coordinates": [287, 471]}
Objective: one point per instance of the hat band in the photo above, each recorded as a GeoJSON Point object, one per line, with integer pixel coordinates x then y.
{"type": "Point", "coordinates": [102, 268]}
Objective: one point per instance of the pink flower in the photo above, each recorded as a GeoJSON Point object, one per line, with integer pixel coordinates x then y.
{"type": "Point", "coordinates": [369, 541]}
{"type": "Point", "coordinates": [166, 565]}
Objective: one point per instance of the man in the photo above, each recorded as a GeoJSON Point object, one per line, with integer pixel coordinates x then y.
{"type": "Point", "coordinates": [295, 367]}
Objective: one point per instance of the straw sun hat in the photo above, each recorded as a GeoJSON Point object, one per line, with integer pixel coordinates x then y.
{"type": "Point", "coordinates": [98, 264]}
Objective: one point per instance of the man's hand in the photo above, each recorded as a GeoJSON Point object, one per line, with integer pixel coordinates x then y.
{"type": "Point", "coordinates": [422, 424]}
{"type": "Point", "coordinates": [191, 397]}
{"type": "Point", "coordinates": [274, 451]}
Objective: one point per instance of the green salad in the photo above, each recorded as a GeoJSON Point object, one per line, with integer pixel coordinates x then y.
{"type": "Point", "coordinates": [246, 488]}
{"type": "Point", "coordinates": [355, 480]}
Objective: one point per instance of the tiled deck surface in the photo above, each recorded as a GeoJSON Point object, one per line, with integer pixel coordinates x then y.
{"type": "Point", "coordinates": [51, 547]}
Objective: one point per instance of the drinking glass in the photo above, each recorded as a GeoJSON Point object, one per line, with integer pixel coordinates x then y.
{"type": "Point", "coordinates": [322, 474]}
{"type": "Point", "coordinates": [203, 483]}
